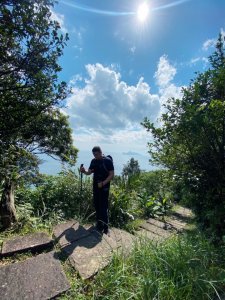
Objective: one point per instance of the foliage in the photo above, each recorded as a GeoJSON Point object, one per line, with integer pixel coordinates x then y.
{"type": "Point", "coordinates": [31, 95]}
{"type": "Point", "coordinates": [121, 206]}
{"type": "Point", "coordinates": [131, 168]}
{"type": "Point", "coordinates": [191, 142]}
{"type": "Point", "coordinates": [151, 206]}
{"type": "Point", "coordinates": [31, 44]}
{"type": "Point", "coordinates": [59, 195]}
{"type": "Point", "coordinates": [186, 267]}
{"type": "Point", "coordinates": [148, 194]}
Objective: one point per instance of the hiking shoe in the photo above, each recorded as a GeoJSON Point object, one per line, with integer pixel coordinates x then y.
{"type": "Point", "coordinates": [97, 228]}
{"type": "Point", "coordinates": [106, 231]}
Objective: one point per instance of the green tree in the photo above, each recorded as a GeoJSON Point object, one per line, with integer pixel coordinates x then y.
{"type": "Point", "coordinates": [131, 168]}
{"type": "Point", "coordinates": [191, 141]}
{"type": "Point", "coordinates": [31, 95]}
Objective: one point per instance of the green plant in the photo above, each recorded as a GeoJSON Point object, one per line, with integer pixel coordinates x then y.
{"type": "Point", "coordinates": [186, 267]}
{"type": "Point", "coordinates": [190, 142]}
{"type": "Point", "coordinates": [153, 206]}
{"type": "Point", "coordinates": [120, 206]}
{"type": "Point", "coordinates": [59, 195]}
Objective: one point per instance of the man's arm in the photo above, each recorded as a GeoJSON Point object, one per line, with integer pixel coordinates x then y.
{"type": "Point", "coordinates": [109, 178]}
{"type": "Point", "coordinates": [89, 172]}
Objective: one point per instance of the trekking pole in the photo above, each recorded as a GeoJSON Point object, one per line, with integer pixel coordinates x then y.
{"type": "Point", "coordinates": [81, 178]}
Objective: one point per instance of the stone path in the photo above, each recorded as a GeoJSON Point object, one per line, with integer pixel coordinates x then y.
{"type": "Point", "coordinates": [35, 242]}
{"type": "Point", "coordinates": [42, 277]}
{"type": "Point", "coordinates": [156, 230]}
{"type": "Point", "coordinates": [37, 278]}
{"type": "Point", "coordinates": [87, 250]}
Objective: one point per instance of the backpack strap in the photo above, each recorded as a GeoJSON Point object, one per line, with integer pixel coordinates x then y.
{"type": "Point", "coordinates": [104, 166]}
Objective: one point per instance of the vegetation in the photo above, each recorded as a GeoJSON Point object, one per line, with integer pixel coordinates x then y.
{"type": "Point", "coordinates": [191, 142]}
{"type": "Point", "coordinates": [31, 95]}
{"type": "Point", "coordinates": [186, 267]}
{"type": "Point", "coordinates": [131, 168]}
{"type": "Point", "coordinates": [176, 269]}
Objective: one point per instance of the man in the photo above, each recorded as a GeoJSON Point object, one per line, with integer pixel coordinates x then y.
{"type": "Point", "coordinates": [103, 170]}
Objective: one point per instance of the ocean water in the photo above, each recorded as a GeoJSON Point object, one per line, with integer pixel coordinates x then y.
{"type": "Point", "coordinates": [52, 167]}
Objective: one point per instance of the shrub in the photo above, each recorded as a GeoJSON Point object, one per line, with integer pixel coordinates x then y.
{"type": "Point", "coordinates": [61, 195]}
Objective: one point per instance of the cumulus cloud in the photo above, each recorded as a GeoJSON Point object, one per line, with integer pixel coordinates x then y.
{"type": "Point", "coordinates": [106, 110]}
{"type": "Point", "coordinates": [164, 75]}
{"type": "Point", "coordinates": [107, 103]}
{"type": "Point", "coordinates": [165, 72]}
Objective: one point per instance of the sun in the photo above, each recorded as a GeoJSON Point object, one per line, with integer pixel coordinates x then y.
{"type": "Point", "coordinates": [143, 12]}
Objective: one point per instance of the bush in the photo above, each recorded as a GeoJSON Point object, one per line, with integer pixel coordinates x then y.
{"type": "Point", "coordinates": [60, 195]}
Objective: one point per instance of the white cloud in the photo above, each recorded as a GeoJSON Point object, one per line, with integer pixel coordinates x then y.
{"type": "Point", "coordinates": [164, 75]}
{"type": "Point", "coordinates": [78, 33]}
{"type": "Point", "coordinates": [208, 44]}
{"type": "Point", "coordinates": [165, 72]}
{"type": "Point", "coordinates": [212, 42]}
{"type": "Point", "coordinates": [195, 60]}
{"type": "Point", "coordinates": [106, 111]}
{"type": "Point", "coordinates": [106, 103]}
{"type": "Point", "coordinates": [60, 19]}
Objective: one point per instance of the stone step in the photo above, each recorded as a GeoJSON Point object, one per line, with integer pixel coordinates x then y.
{"type": "Point", "coordinates": [176, 223]}
{"type": "Point", "coordinates": [70, 231]}
{"type": "Point", "coordinates": [88, 250]}
{"type": "Point", "coordinates": [35, 242]}
{"type": "Point", "coordinates": [182, 214]}
{"type": "Point", "coordinates": [184, 211]}
{"type": "Point", "coordinates": [156, 230]}
{"type": "Point", "coordinates": [160, 224]}
{"type": "Point", "coordinates": [37, 278]}
{"type": "Point", "coordinates": [143, 233]}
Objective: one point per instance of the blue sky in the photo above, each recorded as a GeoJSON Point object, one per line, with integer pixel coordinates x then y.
{"type": "Point", "coordinates": [122, 69]}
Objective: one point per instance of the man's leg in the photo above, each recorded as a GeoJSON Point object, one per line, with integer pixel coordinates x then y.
{"type": "Point", "coordinates": [97, 206]}
{"type": "Point", "coordinates": [104, 209]}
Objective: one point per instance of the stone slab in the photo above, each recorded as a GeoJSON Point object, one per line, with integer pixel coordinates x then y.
{"type": "Point", "coordinates": [88, 255]}
{"type": "Point", "coordinates": [156, 230]}
{"type": "Point", "coordinates": [93, 252]}
{"type": "Point", "coordinates": [157, 223]}
{"type": "Point", "coordinates": [176, 223]}
{"type": "Point", "coordinates": [149, 235]}
{"type": "Point", "coordinates": [183, 211]}
{"type": "Point", "coordinates": [37, 278]}
{"type": "Point", "coordinates": [69, 232]}
{"type": "Point", "coordinates": [31, 242]}
{"type": "Point", "coordinates": [124, 240]}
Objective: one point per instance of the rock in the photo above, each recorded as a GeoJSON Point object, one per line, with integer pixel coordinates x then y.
{"type": "Point", "coordinates": [93, 252]}
{"type": "Point", "coordinates": [176, 223]}
{"type": "Point", "coordinates": [69, 232]}
{"type": "Point", "coordinates": [35, 242]}
{"type": "Point", "coordinates": [149, 235]}
{"type": "Point", "coordinates": [124, 240]}
{"type": "Point", "coordinates": [88, 255]}
{"type": "Point", "coordinates": [156, 230]}
{"type": "Point", "coordinates": [37, 278]}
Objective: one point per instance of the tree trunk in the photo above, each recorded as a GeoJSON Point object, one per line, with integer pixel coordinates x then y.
{"type": "Point", "coordinates": [7, 207]}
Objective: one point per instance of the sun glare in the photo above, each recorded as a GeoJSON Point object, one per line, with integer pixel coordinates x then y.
{"type": "Point", "coordinates": [143, 12]}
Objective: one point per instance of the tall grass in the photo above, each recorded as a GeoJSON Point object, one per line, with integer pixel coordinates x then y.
{"type": "Point", "coordinates": [182, 268]}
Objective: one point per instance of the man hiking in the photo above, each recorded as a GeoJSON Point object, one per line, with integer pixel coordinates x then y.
{"type": "Point", "coordinates": [102, 168]}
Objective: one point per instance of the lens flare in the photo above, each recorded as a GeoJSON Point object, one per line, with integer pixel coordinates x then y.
{"type": "Point", "coordinates": [143, 12]}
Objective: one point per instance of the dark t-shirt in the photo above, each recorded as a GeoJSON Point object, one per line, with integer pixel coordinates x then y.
{"type": "Point", "coordinates": [101, 168]}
